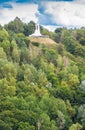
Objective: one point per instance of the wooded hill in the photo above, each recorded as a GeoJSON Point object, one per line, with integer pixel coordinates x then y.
{"type": "Point", "coordinates": [42, 85]}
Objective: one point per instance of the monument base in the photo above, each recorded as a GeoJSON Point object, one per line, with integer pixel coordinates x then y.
{"type": "Point", "coordinates": [37, 33]}
{"type": "Point", "coordinates": [42, 36]}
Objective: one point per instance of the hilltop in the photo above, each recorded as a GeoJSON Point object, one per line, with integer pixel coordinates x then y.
{"type": "Point", "coordinates": [41, 40]}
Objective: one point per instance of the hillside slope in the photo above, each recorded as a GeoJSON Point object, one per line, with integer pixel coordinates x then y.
{"type": "Point", "coordinates": [42, 83]}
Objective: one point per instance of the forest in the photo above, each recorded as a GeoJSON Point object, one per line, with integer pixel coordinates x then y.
{"type": "Point", "coordinates": [42, 86]}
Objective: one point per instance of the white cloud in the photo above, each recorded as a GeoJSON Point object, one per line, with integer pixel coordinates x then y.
{"type": "Point", "coordinates": [66, 13]}
{"type": "Point", "coordinates": [80, 1]}
{"type": "Point", "coordinates": [26, 12]}
{"type": "Point", "coordinates": [69, 14]}
{"type": "Point", "coordinates": [51, 27]}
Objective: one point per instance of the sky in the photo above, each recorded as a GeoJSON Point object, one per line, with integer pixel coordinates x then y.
{"type": "Point", "coordinates": [49, 13]}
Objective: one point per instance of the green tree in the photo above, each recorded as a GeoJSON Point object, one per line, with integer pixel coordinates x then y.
{"type": "Point", "coordinates": [6, 46]}
{"type": "Point", "coordinates": [25, 126]}
{"type": "Point", "coordinates": [29, 28]}
{"type": "Point", "coordinates": [58, 33]}
{"type": "Point", "coordinates": [16, 26]}
{"type": "Point", "coordinates": [2, 53]}
{"type": "Point", "coordinates": [82, 41]}
{"type": "Point", "coordinates": [6, 89]}
{"type": "Point", "coordinates": [76, 126]}
{"type": "Point", "coordinates": [4, 126]}
{"type": "Point", "coordinates": [44, 123]}
{"type": "Point", "coordinates": [60, 120]}
{"type": "Point", "coordinates": [70, 44]}
{"type": "Point", "coordinates": [81, 114]}
{"type": "Point", "coordinates": [3, 35]}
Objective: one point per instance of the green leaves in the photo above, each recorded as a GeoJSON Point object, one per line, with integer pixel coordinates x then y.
{"type": "Point", "coordinates": [15, 26]}
{"type": "Point", "coordinates": [25, 126]}
{"type": "Point", "coordinates": [81, 114]}
{"type": "Point", "coordinates": [76, 126]}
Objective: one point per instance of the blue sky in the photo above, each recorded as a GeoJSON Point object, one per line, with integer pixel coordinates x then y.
{"type": "Point", "coordinates": [50, 13]}
{"type": "Point", "coordinates": [2, 1]}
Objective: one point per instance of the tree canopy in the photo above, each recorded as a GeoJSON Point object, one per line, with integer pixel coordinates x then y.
{"type": "Point", "coordinates": [42, 86]}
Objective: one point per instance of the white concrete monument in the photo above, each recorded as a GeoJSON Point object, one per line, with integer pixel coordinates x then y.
{"type": "Point", "coordinates": [37, 32]}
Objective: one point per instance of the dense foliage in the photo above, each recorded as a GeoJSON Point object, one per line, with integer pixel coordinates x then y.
{"type": "Point", "coordinates": [42, 87]}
